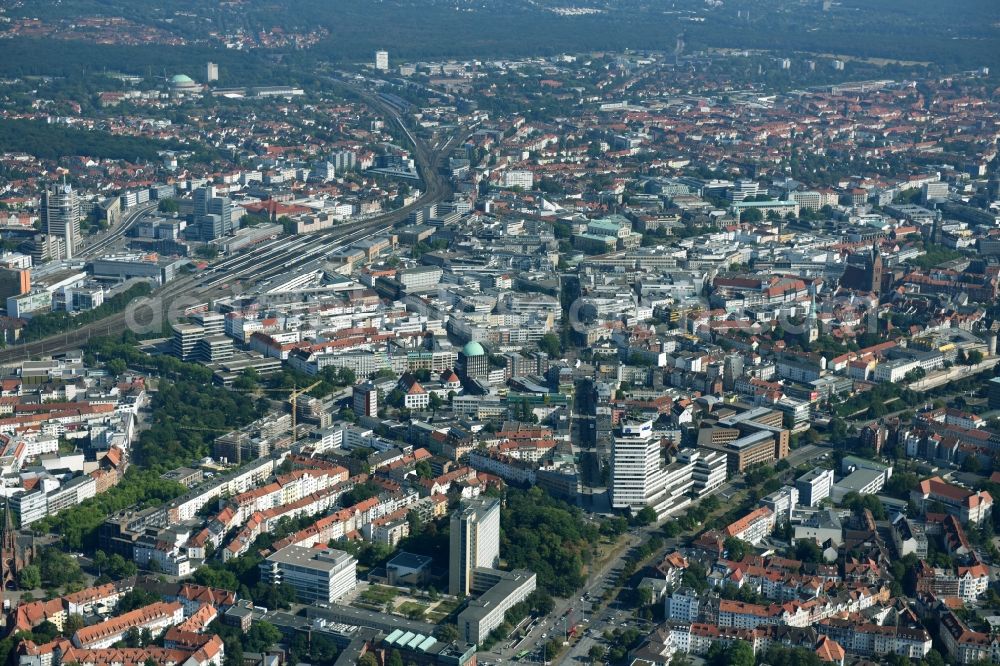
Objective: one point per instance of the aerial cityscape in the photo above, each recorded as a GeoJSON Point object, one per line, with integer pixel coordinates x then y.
{"type": "Point", "coordinates": [466, 333]}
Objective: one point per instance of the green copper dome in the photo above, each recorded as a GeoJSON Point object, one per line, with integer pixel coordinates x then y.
{"type": "Point", "coordinates": [473, 349]}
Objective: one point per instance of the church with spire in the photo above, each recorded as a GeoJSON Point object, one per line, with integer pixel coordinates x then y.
{"type": "Point", "coordinates": [812, 320]}
{"type": "Point", "coordinates": [864, 271]}
{"type": "Point", "coordinates": [14, 554]}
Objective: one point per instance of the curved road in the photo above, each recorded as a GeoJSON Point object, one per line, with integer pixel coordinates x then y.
{"type": "Point", "coordinates": [129, 218]}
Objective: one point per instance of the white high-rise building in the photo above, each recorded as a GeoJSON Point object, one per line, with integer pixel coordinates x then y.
{"type": "Point", "coordinates": [636, 466]}
{"type": "Point", "coordinates": [211, 72]}
{"type": "Point", "coordinates": [382, 61]}
{"type": "Point", "coordinates": [639, 477]}
{"type": "Point", "coordinates": [61, 216]}
{"type": "Point", "coordinates": [475, 542]}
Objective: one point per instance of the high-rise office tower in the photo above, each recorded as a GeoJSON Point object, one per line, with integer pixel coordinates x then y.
{"type": "Point", "coordinates": [638, 478]}
{"type": "Point", "coordinates": [475, 542]}
{"type": "Point", "coordinates": [382, 61]}
{"type": "Point", "coordinates": [61, 216]}
{"type": "Point", "coordinates": [213, 215]}
{"type": "Point", "coordinates": [732, 369]}
{"type": "Point", "coordinates": [344, 160]}
{"type": "Point", "coordinates": [365, 400]}
{"type": "Point", "coordinates": [211, 72]}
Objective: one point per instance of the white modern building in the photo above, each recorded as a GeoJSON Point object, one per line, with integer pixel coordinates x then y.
{"type": "Point", "coordinates": [895, 370]}
{"type": "Point", "coordinates": [814, 486]}
{"type": "Point", "coordinates": [518, 178]}
{"type": "Point", "coordinates": [709, 468]}
{"type": "Point", "coordinates": [475, 542]}
{"type": "Point", "coordinates": [500, 590]}
{"type": "Point", "coordinates": [782, 503]}
{"type": "Point", "coordinates": [640, 478]}
{"type": "Point", "coordinates": [637, 475]}
{"type": "Point", "coordinates": [682, 605]}
{"type": "Point", "coordinates": [316, 575]}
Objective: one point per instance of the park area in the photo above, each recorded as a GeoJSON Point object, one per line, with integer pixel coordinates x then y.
{"type": "Point", "coordinates": [425, 606]}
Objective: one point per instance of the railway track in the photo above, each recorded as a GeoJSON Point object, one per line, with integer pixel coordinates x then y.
{"type": "Point", "coordinates": [266, 260]}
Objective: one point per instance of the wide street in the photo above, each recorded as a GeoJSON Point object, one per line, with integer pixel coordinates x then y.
{"type": "Point", "coordinates": [591, 626]}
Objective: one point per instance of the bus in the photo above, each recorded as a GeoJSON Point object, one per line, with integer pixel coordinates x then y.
{"type": "Point", "coordinates": [521, 655]}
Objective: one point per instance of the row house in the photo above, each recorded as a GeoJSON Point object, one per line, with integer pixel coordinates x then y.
{"type": "Point", "coordinates": [874, 640]}
{"type": "Point", "coordinates": [156, 618]}
{"type": "Point", "coordinates": [966, 646]}
{"type": "Point", "coordinates": [207, 651]}
{"type": "Point", "coordinates": [967, 583]}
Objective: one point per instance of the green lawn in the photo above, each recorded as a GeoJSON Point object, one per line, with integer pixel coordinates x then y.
{"type": "Point", "coordinates": [379, 594]}
{"type": "Point", "coordinates": [412, 610]}
{"type": "Point", "coordinates": [441, 611]}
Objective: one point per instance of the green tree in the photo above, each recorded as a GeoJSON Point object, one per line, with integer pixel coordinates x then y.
{"type": "Point", "coordinates": [58, 568]}
{"type": "Point", "coordinates": [119, 567]}
{"type": "Point", "coordinates": [395, 398]}
{"type": "Point", "coordinates": [6, 647]}
{"type": "Point", "coordinates": [549, 343]}
{"type": "Point", "coordinates": [806, 550]}
{"type": "Point", "coordinates": [736, 549]}
{"type": "Point", "coordinates": [133, 638]}
{"type": "Point", "coordinates": [738, 653]}
{"type": "Point", "coordinates": [547, 536]}
{"type": "Point", "coordinates": [29, 578]}
{"type": "Point", "coordinates": [971, 464]}
{"type": "Point", "coordinates": [262, 636]}
{"type": "Point", "coordinates": [136, 598]}
{"type": "Point", "coordinates": [645, 516]}
{"type": "Point", "coordinates": [368, 659]}
{"type": "Point", "coordinates": [72, 624]}
{"type": "Point", "coordinates": [168, 206]}
{"type": "Point", "coordinates": [541, 602]}
{"type": "Point", "coordinates": [207, 252]}
{"type": "Point", "coordinates": [446, 632]}
{"type": "Point", "coordinates": [680, 659]}
{"type": "Point", "coordinates": [395, 659]}
{"type": "Point", "coordinates": [423, 469]}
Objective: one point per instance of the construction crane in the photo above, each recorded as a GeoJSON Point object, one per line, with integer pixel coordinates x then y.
{"type": "Point", "coordinates": [293, 397]}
